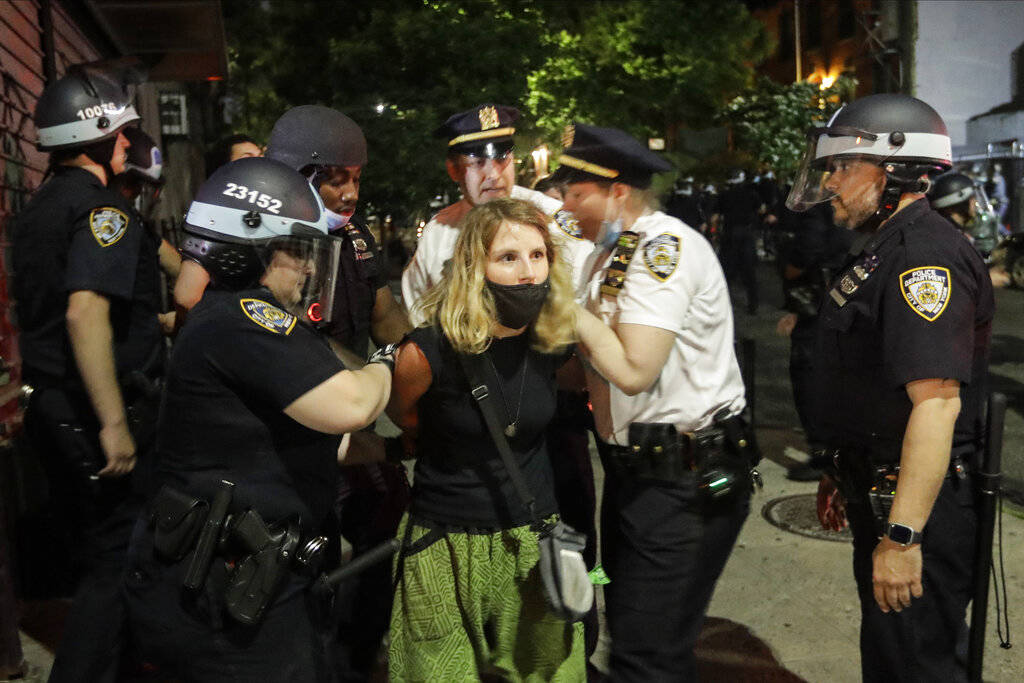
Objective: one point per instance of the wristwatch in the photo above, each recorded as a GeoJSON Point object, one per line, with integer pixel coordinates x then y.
{"type": "Point", "coordinates": [901, 534]}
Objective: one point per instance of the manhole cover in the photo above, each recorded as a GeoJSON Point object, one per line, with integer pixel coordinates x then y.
{"type": "Point", "coordinates": [799, 514]}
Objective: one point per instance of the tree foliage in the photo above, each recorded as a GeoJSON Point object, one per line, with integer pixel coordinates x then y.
{"type": "Point", "coordinates": [647, 66]}
{"type": "Point", "coordinates": [397, 67]}
{"type": "Point", "coordinates": [770, 120]}
{"type": "Point", "coordinates": [400, 67]}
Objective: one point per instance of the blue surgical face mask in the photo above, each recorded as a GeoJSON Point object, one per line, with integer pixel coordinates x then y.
{"type": "Point", "coordinates": [608, 233]}
{"type": "Point", "coordinates": [335, 221]}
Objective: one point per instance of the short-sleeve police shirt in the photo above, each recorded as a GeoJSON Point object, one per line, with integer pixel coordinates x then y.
{"type": "Point", "coordinates": [914, 303]}
{"type": "Point", "coordinates": [238, 363]}
{"type": "Point", "coordinates": [75, 234]}
{"type": "Point", "coordinates": [674, 283]}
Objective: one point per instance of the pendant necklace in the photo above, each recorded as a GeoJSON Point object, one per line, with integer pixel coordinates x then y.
{"type": "Point", "coordinates": [510, 428]}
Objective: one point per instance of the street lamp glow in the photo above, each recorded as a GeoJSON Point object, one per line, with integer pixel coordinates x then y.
{"type": "Point", "coordinates": [379, 108]}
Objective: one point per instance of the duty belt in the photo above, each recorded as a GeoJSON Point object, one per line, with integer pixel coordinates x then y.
{"type": "Point", "coordinates": [857, 472]}
{"type": "Point", "coordinates": [678, 450]}
{"type": "Point", "coordinates": [721, 458]}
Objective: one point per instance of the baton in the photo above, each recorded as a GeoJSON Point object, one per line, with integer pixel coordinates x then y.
{"type": "Point", "coordinates": [360, 563]}
{"type": "Point", "coordinates": [989, 485]}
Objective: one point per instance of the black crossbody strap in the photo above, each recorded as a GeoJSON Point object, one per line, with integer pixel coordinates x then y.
{"type": "Point", "coordinates": [474, 367]}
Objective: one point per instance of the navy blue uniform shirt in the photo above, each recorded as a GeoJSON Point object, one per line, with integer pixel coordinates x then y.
{"type": "Point", "coordinates": [915, 302]}
{"type": "Point", "coordinates": [239, 361]}
{"type": "Point", "coordinates": [76, 234]}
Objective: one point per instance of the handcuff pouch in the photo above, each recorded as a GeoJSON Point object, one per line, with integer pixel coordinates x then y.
{"type": "Point", "coordinates": [177, 519]}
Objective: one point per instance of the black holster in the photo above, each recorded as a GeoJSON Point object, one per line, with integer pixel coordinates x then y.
{"type": "Point", "coordinates": [266, 554]}
{"type": "Point", "coordinates": [238, 560]}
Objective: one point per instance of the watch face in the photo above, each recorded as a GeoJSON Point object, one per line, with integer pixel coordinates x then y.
{"type": "Point", "coordinates": [901, 534]}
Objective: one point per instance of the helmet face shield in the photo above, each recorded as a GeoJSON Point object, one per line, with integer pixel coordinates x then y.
{"type": "Point", "coordinates": [302, 272]}
{"type": "Point", "coordinates": [811, 177]}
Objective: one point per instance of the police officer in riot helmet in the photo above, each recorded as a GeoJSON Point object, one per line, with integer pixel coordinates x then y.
{"type": "Point", "coordinates": [90, 346]}
{"type": "Point", "coordinates": [248, 443]}
{"type": "Point", "coordinates": [902, 351]}
{"type": "Point", "coordinates": [329, 148]}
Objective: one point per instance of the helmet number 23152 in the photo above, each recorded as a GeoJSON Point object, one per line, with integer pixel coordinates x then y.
{"type": "Point", "coordinates": [264, 201]}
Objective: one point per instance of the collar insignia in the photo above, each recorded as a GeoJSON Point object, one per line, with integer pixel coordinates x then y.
{"type": "Point", "coordinates": [926, 290]}
{"type": "Point", "coordinates": [567, 136]}
{"type": "Point", "coordinates": [268, 316]}
{"type": "Point", "coordinates": [108, 225]}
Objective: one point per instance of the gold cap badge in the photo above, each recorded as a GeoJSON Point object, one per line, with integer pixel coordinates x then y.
{"type": "Point", "coordinates": [488, 118]}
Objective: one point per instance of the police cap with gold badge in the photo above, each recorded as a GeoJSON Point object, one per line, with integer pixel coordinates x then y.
{"type": "Point", "coordinates": [484, 131]}
{"type": "Point", "coordinates": [592, 153]}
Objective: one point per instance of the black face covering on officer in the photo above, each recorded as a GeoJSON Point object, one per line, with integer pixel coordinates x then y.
{"type": "Point", "coordinates": [518, 305]}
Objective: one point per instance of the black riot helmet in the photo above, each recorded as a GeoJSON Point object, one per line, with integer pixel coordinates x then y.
{"type": "Point", "coordinates": [316, 137]}
{"type": "Point", "coordinates": [254, 215]}
{"type": "Point", "coordinates": [951, 189]}
{"type": "Point", "coordinates": [90, 104]}
{"type": "Point", "coordinates": [901, 134]}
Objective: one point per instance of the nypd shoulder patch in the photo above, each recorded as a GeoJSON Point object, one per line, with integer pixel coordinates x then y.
{"type": "Point", "coordinates": [661, 255]}
{"type": "Point", "coordinates": [926, 290]}
{"type": "Point", "coordinates": [567, 223]}
{"type": "Point", "coordinates": [108, 225]}
{"type": "Point", "coordinates": [268, 316]}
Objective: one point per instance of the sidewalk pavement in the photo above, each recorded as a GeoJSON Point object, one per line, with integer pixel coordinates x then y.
{"type": "Point", "coordinates": [786, 606]}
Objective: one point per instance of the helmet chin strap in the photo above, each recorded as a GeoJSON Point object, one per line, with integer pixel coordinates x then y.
{"type": "Point", "coordinates": [102, 153]}
{"type": "Point", "coordinates": [899, 180]}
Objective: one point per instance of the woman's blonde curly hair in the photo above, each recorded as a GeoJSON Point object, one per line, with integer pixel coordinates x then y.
{"type": "Point", "coordinates": [462, 305]}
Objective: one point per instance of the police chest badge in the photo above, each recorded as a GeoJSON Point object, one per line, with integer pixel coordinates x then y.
{"type": "Point", "coordinates": [268, 316]}
{"type": "Point", "coordinates": [661, 255]}
{"type": "Point", "coordinates": [108, 225]}
{"type": "Point", "coordinates": [926, 290]}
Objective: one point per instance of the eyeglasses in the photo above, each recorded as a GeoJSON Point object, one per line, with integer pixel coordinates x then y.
{"type": "Point", "coordinates": [473, 161]}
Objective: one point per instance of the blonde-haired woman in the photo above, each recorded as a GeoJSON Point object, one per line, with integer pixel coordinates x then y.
{"type": "Point", "coordinates": [469, 602]}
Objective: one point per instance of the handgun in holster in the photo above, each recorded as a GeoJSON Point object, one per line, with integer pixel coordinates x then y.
{"type": "Point", "coordinates": [730, 465]}
{"type": "Point", "coordinates": [266, 554]}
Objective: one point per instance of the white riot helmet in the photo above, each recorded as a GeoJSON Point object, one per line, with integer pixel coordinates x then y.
{"type": "Point", "coordinates": [257, 214]}
{"type": "Point", "coordinates": [88, 105]}
{"type": "Point", "coordinates": [901, 134]}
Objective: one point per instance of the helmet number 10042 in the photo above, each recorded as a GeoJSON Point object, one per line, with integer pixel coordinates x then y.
{"type": "Point", "coordinates": [263, 201]}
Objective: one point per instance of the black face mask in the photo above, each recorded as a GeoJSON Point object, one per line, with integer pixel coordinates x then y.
{"type": "Point", "coordinates": [518, 305]}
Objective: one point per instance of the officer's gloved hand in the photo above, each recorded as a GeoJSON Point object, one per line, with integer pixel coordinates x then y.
{"type": "Point", "coordinates": [831, 505]}
{"type": "Point", "coordinates": [386, 355]}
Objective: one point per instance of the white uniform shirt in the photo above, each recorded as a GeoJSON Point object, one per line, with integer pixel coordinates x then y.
{"type": "Point", "coordinates": [437, 244]}
{"type": "Point", "coordinates": [674, 282]}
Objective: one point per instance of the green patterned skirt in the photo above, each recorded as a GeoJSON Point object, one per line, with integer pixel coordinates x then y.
{"type": "Point", "coordinates": [471, 606]}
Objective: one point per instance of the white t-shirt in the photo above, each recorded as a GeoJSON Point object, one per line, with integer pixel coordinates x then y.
{"type": "Point", "coordinates": [437, 244]}
{"type": "Point", "coordinates": [674, 283]}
